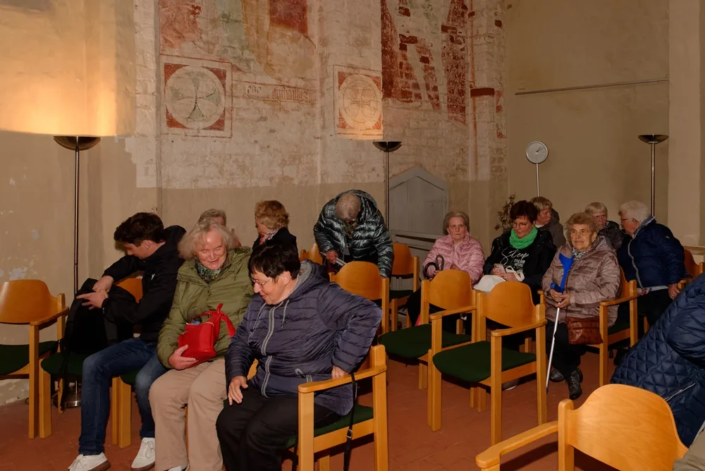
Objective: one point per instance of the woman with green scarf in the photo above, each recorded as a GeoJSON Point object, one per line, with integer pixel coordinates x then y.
{"type": "Point", "coordinates": [524, 253]}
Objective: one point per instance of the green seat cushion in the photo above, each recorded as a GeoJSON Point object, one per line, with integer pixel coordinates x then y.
{"type": "Point", "coordinates": [74, 367]}
{"type": "Point", "coordinates": [415, 342]}
{"type": "Point", "coordinates": [471, 363]}
{"type": "Point", "coordinates": [400, 293]}
{"type": "Point", "coordinates": [618, 326]}
{"type": "Point", "coordinates": [362, 413]}
{"type": "Point", "coordinates": [15, 357]}
{"type": "Point", "coordinates": [130, 377]}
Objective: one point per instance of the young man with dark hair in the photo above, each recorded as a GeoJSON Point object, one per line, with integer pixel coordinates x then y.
{"type": "Point", "coordinates": [152, 250]}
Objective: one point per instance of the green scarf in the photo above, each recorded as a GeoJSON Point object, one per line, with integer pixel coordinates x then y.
{"type": "Point", "coordinates": [525, 241]}
{"type": "Point", "coordinates": [207, 274]}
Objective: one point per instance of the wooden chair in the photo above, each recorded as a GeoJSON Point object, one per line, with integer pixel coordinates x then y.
{"type": "Point", "coordinates": [694, 269]}
{"type": "Point", "coordinates": [404, 266]}
{"type": "Point", "coordinates": [487, 363]}
{"type": "Point", "coordinates": [368, 420]}
{"type": "Point", "coordinates": [452, 290]}
{"type": "Point", "coordinates": [363, 279]}
{"type": "Point", "coordinates": [29, 302]}
{"type": "Point", "coordinates": [313, 255]}
{"type": "Point", "coordinates": [621, 330]}
{"type": "Point", "coordinates": [624, 427]}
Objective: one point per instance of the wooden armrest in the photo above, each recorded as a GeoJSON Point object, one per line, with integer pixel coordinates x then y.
{"type": "Point", "coordinates": [450, 312]}
{"type": "Point", "coordinates": [491, 456]}
{"type": "Point", "coordinates": [53, 317]}
{"type": "Point", "coordinates": [331, 383]}
{"type": "Point", "coordinates": [516, 330]}
{"type": "Point", "coordinates": [619, 300]}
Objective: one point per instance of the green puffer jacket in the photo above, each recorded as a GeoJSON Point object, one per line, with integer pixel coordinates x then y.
{"type": "Point", "coordinates": [233, 288]}
{"type": "Point", "coordinates": [370, 240]}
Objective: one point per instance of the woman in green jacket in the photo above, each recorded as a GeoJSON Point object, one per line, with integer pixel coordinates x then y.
{"type": "Point", "coordinates": [215, 272]}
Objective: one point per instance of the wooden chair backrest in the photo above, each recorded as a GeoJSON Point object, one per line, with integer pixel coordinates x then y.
{"type": "Point", "coordinates": [642, 421]}
{"type": "Point", "coordinates": [25, 301]}
{"type": "Point", "coordinates": [132, 286]}
{"type": "Point", "coordinates": [508, 303]}
{"type": "Point", "coordinates": [449, 289]}
{"type": "Point", "coordinates": [690, 266]}
{"type": "Point", "coordinates": [313, 255]}
{"type": "Point", "coordinates": [405, 264]}
{"type": "Point", "coordinates": [628, 287]}
{"type": "Point", "coordinates": [362, 279]}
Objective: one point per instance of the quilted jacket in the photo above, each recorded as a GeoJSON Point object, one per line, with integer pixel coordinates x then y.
{"type": "Point", "coordinates": [467, 255]}
{"type": "Point", "coordinates": [670, 360]}
{"type": "Point", "coordinates": [653, 256]}
{"type": "Point", "coordinates": [370, 241]}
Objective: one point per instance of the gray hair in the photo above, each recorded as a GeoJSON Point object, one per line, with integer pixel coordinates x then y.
{"type": "Point", "coordinates": [187, 246]}
{"type": "Point", "coordinates": [348, 206]}
{"type": "Point", "coordinates": [596, 207]}
{"type": "Point", "coordinates": [541, 203]}
{"type": "Point", "coordinates": [213, 213]}
{"type": "Point", "coordinates": [456, 214]}
{"type": "Point", "coordinates": [634, 210]}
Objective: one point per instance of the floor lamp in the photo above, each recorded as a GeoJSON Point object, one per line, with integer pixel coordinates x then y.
{"type": "Point", "coordinates": [387, 147]}
{"type": "Point", "coordinates": [76, 144]}
{"type": "Point", "coordinates": [653, 139]}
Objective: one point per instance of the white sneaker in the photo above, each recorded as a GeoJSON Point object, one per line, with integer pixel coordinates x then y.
{"type": "Point", "coordinates": [90, 463]}
{"type": "Point", "coordinates": [144, 460]}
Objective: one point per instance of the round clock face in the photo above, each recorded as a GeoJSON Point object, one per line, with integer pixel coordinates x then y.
{"type": "Point", "coordinates": [537, 152]}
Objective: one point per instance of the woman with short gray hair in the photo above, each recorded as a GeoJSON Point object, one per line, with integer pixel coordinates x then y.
{"type": "Point", "coordinates": [606, 228]}
{"type": "Point", "coordinates": [651, 255]}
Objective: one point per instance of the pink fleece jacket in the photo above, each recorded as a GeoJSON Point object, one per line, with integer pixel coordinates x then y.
{"type": "Point", "coordinates": [467, 255]}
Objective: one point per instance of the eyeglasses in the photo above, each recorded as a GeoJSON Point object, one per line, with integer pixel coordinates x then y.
{"type": "Point", "coordinates": [261, 283]}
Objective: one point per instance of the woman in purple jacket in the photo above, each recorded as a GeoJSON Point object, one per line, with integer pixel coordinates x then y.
{"type": "Point", "coordinates": [301, 328]}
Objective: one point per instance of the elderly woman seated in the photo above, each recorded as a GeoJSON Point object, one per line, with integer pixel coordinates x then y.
{"type": "Point", "coordinates": [524, 253]}
{"type": "Point", "coordinates": [350, 227]}
{"type": "Point", "coordinates": [593, 277]}
{"type": "Point", "coordinates": [651, 255]}
{"type": "Point", "coordinates": [272, 223]}
{"type": "Point", "coordinates": [609, 229]}
{"type": "Point", "coordinates": [215, 272]}
{"type": "Point", "coordinates": [300, 328]}
{"type": "Point", "coordinates": [457, 250]}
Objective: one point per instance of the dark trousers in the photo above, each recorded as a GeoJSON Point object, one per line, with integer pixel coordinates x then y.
{"type": "Point", "coordinates": [652, 305]}
{"type": "Point", "coordinates": [413, 308]}
{"type": "Point", "coordinates": [566, 356]}
{"type": "Point", "coordinates": [98, 371]}
{"type": "Point", "coordinates": [252, 434]}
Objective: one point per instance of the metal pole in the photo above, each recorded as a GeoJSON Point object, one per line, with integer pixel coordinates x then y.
{"type": "Point", "coordinates": [653, 178]}
{"type": "Point", "coordinates": [538, 187]}
{"type": "Point", "coordinates": [75, 218]}
{"type": "Point", "coordinates": [386, 187]}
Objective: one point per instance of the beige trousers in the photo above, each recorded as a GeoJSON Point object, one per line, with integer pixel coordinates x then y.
{"type": "Point", "coordinates": [202, 388]}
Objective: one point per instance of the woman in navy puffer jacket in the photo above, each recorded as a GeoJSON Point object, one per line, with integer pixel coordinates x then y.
{"type": "Point", "coordinates": [651, 255]}
{"type": "Point", "coordinates": [670, 360]}
{"type": "Point", "coordinates": [301, 328]}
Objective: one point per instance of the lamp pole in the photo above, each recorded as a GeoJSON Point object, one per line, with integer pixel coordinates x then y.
{"type": "Point", "coordinates": [653, 139]}
{"type": "Point", "coordinates": [387, 147]}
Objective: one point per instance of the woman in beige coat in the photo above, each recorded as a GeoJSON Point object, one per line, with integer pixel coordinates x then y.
{"type": "Point", "coordinates": [594, 277]}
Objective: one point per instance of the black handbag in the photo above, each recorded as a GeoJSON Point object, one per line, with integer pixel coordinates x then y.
{"type": "Point", "coordinates": [438, 264]}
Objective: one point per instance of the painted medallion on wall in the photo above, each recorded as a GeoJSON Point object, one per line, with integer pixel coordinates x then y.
{"type": "Point", "coordinates": [358, 104]}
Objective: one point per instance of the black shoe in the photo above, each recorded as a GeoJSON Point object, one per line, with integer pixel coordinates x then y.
{"type": "Point", "coordinates": [556, 376]}
{"type": "Point", "coordinates": [574, 380]}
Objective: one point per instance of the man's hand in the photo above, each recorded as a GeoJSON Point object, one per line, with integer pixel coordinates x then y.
{"type": "Point", "coordinates": [234, 389]}
{"type": "Point", "coordinates": [331, 256]}
{"type": "Point", "coordinates": [180, 362]}
{"type": "Point", "coordinates": [337, 373]}
{"type": "Point", "coordinates": [673, 290]}
{"type": "Point", "coordinates": [94, 300]}
{"type": "Point", "coordinates": [104, 284]}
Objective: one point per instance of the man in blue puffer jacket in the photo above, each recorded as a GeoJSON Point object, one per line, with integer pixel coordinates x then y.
{"type": "Point", "coordinates": [670, 360]}
{"type": "Point", "coordinates": [651, 255]}
{"type": "Point", "coordinates": [301, 328]}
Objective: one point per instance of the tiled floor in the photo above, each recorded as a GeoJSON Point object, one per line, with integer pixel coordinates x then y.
{"type": "Point", "coordinates": [412, 445]}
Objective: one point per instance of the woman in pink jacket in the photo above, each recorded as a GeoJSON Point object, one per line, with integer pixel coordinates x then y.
{"type": "Point", "coordinates": [455, 251]}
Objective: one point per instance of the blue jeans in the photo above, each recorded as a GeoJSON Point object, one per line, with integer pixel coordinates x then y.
{"type": "Point", "coordinates": [98, 371]}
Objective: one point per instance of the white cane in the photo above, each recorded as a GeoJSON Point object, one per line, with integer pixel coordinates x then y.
{"type": "Point", "coordinates": [553, 344]}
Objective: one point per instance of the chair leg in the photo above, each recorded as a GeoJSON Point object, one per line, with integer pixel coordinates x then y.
{"type": "Point", "coordinates": [114, 409]}
{"type": "Point", "coordinates": [44, 404]}
{"type": "Point", "coordinates": [496, 411]}
{"type": "Point", "coordinates": [473, 396]}
{"type": "Point", "coordinates": [434, 396]}
{"type": "Point", "coordinates": [60, 397]}
{"type": "Point", "coordinates": [481, 399]}
{"type": "Point", "coordinates": [324, 463]}
{"type": "Point", "coordinates": [604, 364]}
{"type": "Point", "coordinates": [124, 414]}
{"type": "Point", "coordinates": [423, 375]}
{"type": "Point", "coordinates": [394, 314]}
{"type": "Point", "coordinates": [33, 379]}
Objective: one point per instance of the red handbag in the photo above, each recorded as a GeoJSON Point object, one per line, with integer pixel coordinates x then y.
{"type": "Point", "coordinates": [201, 338]}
